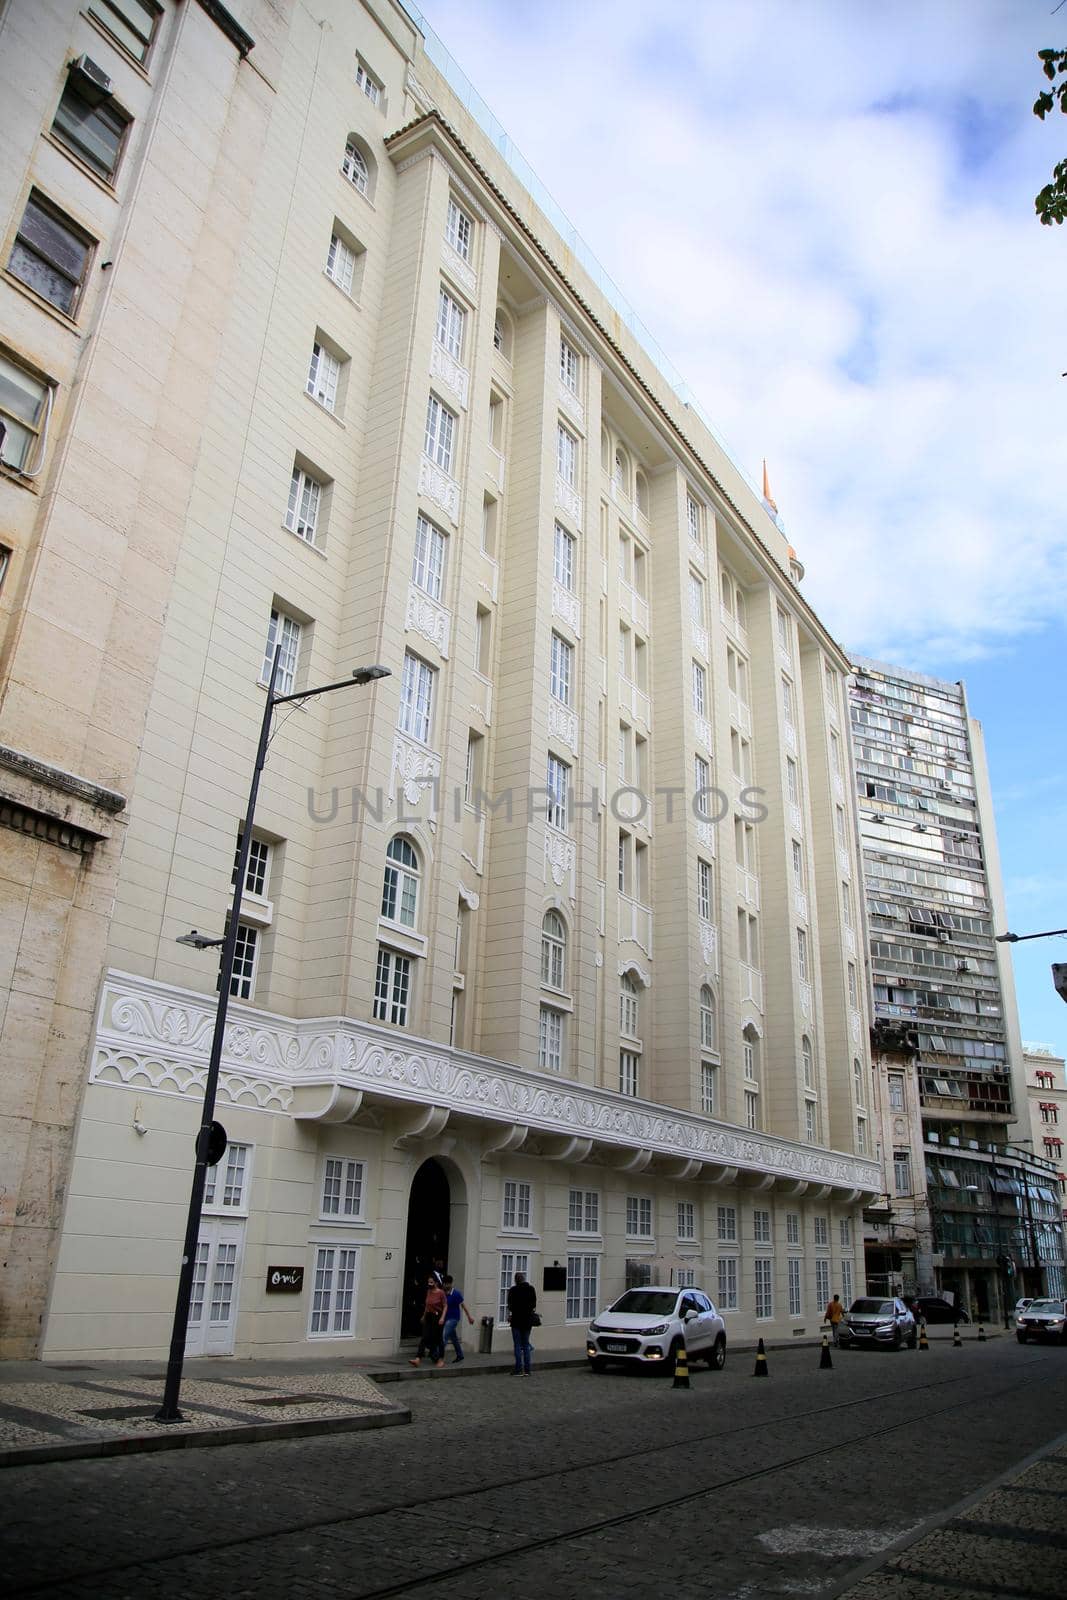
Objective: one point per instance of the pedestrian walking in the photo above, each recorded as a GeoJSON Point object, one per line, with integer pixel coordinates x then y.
{"type": "Point", "coordinates": [454, 1306]}
{"type": "Point", "coordinates": [522, 1315]}
{"type": "Point", "coordinates": [834, 1315]}
{"type": "Point", "coordinates": [430, 1342]}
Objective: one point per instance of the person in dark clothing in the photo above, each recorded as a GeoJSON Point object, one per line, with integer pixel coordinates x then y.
{"type": "Point", "coordinates": [522, 1303]}
{"type": "Point", "coordinates": [431, 1343]}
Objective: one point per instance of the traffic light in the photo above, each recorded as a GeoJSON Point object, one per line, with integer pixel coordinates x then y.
{"type": "Point", "coordinates": [1059, 978]}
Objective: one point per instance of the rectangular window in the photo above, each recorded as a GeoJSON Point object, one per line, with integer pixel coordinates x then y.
{"type": "Point", "coordinates": [707, 1088]}
{"type": "Point", "coordinates": [687, 1224]}
{"type": "Point", "coordinates": [896, 1092]}
{"type": "Point", "coordinates": [510, 1263]}
{"type": "Point", "coordinates": [368, 83]}
{"type": "Point", "coordinates": [846, 1282]}
{"type": "Point", "coordinates": [638, 1217]}
{"type": "Point", "coordinates": [727, 1275]}
{"type": "Point", "coordinates": [333, 1295]}
{"type": "Point", "coordinates": [392, 987]}
{"type": "Point", "coordinates": [788, 711]}
{"type": "Point", "coordinates": [784, 631]}
{"type": "Point", "coordinates": [459, 230]}
{"type": "Point", "coordinates": [792, 783]}
{"type": "Point", "coordinates": [243, 975]}
{"type": "Point", "coordinates": [792, 1227]}
{"type": "Point", "coordinates": [822, 1232]}
{"type": "Point", "coordinates": [428, 566]}
{"type": "Point", "coordinates": [24, 403]}
{"type": "Point", "coordinates": [416, 698]}
{"type": "Point", "coordinates": [822, 1283]}
{"type": "Point", "coordinates": [761, 1227]}
{"type": "Point", "coordinates": [516, 1209]}
{"type": "Point", "coordinates": [798, 866]}
{"type": "Point", "coordinates": [557, 783]}
{"type": "Point", "coordinates": [342, 1188]}
{"type": "Point", "coordinates": [628, 1010]}
{"type": "Point", "coordinates": [696, 599]}
{"type": "Point", "coordinates": [92, 129]}
{"type": "Point", "coordinates": [561, 672]}
{"type": "Point", "coordinates": [802, 955]}
{"type": "Point", "coordinates": [629, 1063]}
{"type": "Point", "coordinates": [726, 1224]}
{"type": "Point", "coordinates": [811, 1121]}
{"type": "Point", "coordinates": [550, 1040]}
{"type": "Point", "coordinates": [51, 254]}
{"type": "Point", "coordinates": [132, 22]}
{"type": "Point", "coordinates": [846, 1233]}
{"type": "Point", "coordinates": [796, 1303]}
{"type": "Point", "coordinates": [283, 635]}
{"type": "Point", "coordinates": [902, 1171]}
{"type": "Point", "coordinates": [704, 891]}
{"type": "Point", "coordinates": [563, 558]}
{"type": "Point", "coordinates": [701, 785]}
{"type": "Point", "coordinates": [694, 520]}
{"type": "Point", "coordinates": [764, 1272]}
{"type": "Point", "coordinates": [583, 1288]}
{"type": "Point", "coordinates": [451, 318]}
{"type": "Point", "coordinates": [323, 375]}
{"type": "Point", "coordinates": [835, 755]}
{"type": "Point", "coordinates": [700, 690]}
{"type": "Point", "coordinates": [583, 1211]}
{"type": "Point", "coordinates": [341, 263]}
{"type": "Point", "coordinates": [257, 868]}
{"type": "Point", "coordinates": [751, 1111]}
{"type": "Point", "coordinates": [232, 1193]}
{"type": "Point", "coordinates": [568, 366]}
{"type": "Point", "coordinates": [846, 905]}
{"type": "Point", "coordinates": [685, 1277]}
{"type": "Point", "coordinates": [440, 434]}
{"type": "Point", "coordinates": [566, 456]}
{"type": "Point", "coordinates": [305, 499]}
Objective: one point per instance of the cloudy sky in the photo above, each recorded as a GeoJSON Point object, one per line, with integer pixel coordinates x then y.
{"type": "Point", "coordinates": [823, 211]}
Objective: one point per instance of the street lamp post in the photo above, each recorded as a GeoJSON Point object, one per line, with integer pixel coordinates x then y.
{"type": "Point", "coordinates": [168, 1411]}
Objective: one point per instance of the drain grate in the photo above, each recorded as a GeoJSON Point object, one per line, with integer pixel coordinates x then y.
{"type": "Point", "coordinates": [119, 1413]}
{"type": "Point", "coordinates": [285, 1400]}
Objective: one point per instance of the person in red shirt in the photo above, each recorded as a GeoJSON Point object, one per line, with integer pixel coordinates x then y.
{"type": "Point", "coordinates": [431, 1343]}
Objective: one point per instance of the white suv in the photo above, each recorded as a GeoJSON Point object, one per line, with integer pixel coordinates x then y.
{"type": "Point", "coordinates": [647, 1327]}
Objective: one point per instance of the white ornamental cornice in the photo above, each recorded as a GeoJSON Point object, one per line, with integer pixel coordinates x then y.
{"type": "Point", "coordinates": [154, 1037]}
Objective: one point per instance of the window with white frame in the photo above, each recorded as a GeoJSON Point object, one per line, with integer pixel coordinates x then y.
{"type": "Point", "coordinates": [846, 1282]}
{"type": "Point", "coordinates": [515, 1215]}
{"type": "Point", "coordinates": [811, 1122]}
{"type": "Point", "coordinates": [853, 990]}
{"type": "Point", "coordinates": [510, 1263]}
{"type": "Point", "coordinates": [685, 1277]}
{"type": "Point", "coordinates": [132, 23]}
{"type": "Point", "coordinates": [392, 987]}
{"type": "Point", "coordinates": [354, 168]}
{"type": "Point", "coordinates": [569, 365]}
{"type": "Point", "coordinates": [369, 84]}
{"type": "Point", "coordinates": [324, 374]}
{"type": "Point", "coordinates": [792, 781]}
{"type": "Point", "coordinates": [896, 1092]}
{"type": "Point", "coordinates": [566, 455]}
{"type": "Point", "coordinates": [459, 230]}
{"type": "Point", "coordinates": [700, 690]}
{"type": "Point", "coordinates": [802, 955]}
{"type": "Point", "coordinates": [553, 951]}
{"type": "Point", "coordinates": [752, 1119]}
{"type": "Point", "coordinates": [785, 631]}
{"type": "Point", "coordinates": [727, 1283]}
{"type": "Point", "coordinates": [709, 1021]}
{"type": "Point", "coordinates": [701, 785]}
{"type": "Point", "coordinates": [822, 1283]}
{"type": "Point", "coordinates": [257, 868]}
{"type": "Point", "coordinates": [726, 1224]}
{"type": "Point", "coordinates": [583, 1211]}
{"type": "Point", "coordinates": [342, 1188]}
{"type": "Point", "coordinates": [798, 866]}
{"type": "Point", "coordinates": [696, 599]}
{"type": "Point", "coordinates": [835, 755]}
{"type": "Point", "coordinates": [761, 1226]}
{"type": "Point", "coordinates": [428, 566]}
{"type": "Point", "coordinates": [305, 504]}
{"type": "Point", "coordinates": [687, 1220]}
{"type": "Point", "coordinates": [628, 1008]}
{"type": "Point", "coordinates": [24, 405]}
{"type": "Point", "coordinates": [416, 698]}
{"type": "Point", "coordinates": [807, 1062]}
{"type": "Point", "coordinates": [792, 1227]}
{"type": "Point", "coordinates": [638, 1217]}
{"type": "Point", "coordinates": [245, 957]}
{"type": "Point", "coordinates": [561, 671]}
{"type": "Point", "coordinates": [583, 1287]}
{"type": "Point", "coordinates": [857, 1081]}
{"type": "Point", "coordinates": [563, 557]}
{"type": "Point", "coordinates": [788, 703]}
{"type": "Point", "coordinates": [451, 321]}
{"type": "Point", "coordinates": [550, 1040]}
{"type": "Point", "coordinates": [400, 884]}
{"type": "Point", "coordinates": [705, 891]}
{"type": "Point", "coordinates": [796, 1299]}
{"type": "Point", "coordinates": [226, 1185]}
{"type": "Point", "coordinates": [861, 1134]}
{"type": "Point", "coordinates": [902, 1171]}
{"type": "Point", "coordinates": [283, 635]}
{"type": "Point", "coordinates": [839, 826]}
{"type": "Point", "coordinates": [846, 905]}
{"type": "Point", "coordinates": [764, 1275]}
{"type": "Point", "coordinates": [629, 1066]}
{"type": "Point", "coordinates": [334, 1291]}
{"type": "Point", "coordinates": [750, 1052]}
{"type": "Point", "coordinates": [694, 517]}
{"type": "Point", "coordinates": [846, 1233]}
{"type": "Point", "coordinates": [341, 263]}
{"type": "Point", "coordinates": [557, 784]}
{"type": "Point", "coordinates": [440, 434]}
{"type": "Point", "coordinates": [709, 1087]}
{"type": "Point", "coordinates": [51, 254]}
{"type": "Point", "coordinates": [822, 1232]}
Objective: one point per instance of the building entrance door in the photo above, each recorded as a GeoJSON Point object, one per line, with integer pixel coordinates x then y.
{"type": "Point", "coordinates": [429, 1219]}
{"type": "Point", "coordinates": [216, 1277]}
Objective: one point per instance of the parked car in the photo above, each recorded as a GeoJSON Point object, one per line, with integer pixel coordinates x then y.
{"type": "Point", "coordinates": [878, 1321]}
{"type": "Point", "coordinates": [932, 1308]}
{"type": "Point", "coordinates": [647, 1327]}
{"type": "Point", "coordinates": [1043, 1319]}
{"type": "Point", "coordinates": [1020, 1307]}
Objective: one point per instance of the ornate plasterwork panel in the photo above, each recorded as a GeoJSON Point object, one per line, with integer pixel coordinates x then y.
{"type": "Point", "coordinates": [568, 607]}
{"type": "Point", "coordinates": [569, 500]}
{"type": "Point", "coordinates": [560, 852]}
{"type": "Point", "coordinates": [415, 767]}
{"type": "Point", "coordinates": [426, 617]}
{"type": "Point", "coordinates": [452, 373]}
{"type": "Point", "coordinates": [151, 1036]}
{"type": "Point", "coordinates": [563, 724]}
{"type": "Point", "coordinates": [437, 486]}
{"type": "Point", "coordinates": [461, 270]}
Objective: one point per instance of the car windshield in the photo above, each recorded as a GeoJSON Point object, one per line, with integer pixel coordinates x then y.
{"type": "Point", "coordinates": [872, 1308]}
{"type": "Point", "coordinates": [1055, 1306]}
{"type": "Point", "coordinates": [660, 1302]}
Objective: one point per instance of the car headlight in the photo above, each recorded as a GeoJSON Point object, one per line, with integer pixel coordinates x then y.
{"type": "Point", "coordinates": [647, 1333]}
{"type": "Point", "coordinates": [885, 1327]}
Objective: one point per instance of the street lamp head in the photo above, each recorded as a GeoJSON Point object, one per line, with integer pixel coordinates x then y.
{"type": "Point", "coordinates": [368, 674]}
{"type": "Point", "coordinates": [199, 941]}
{"type": "Point", "coordinates": [1005, 938]}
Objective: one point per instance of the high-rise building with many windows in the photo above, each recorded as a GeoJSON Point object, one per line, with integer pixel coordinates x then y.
{"type": "Point", "coordinates": [549, 950]}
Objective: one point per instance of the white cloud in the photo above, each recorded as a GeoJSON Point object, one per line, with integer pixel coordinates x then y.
{"type": "Point", "coordinates": [824, 213]}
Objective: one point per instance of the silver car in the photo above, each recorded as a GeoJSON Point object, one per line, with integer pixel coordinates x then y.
{"type": "Point", "coordinates": [1043, 1319]}
{"type": "Point", "coordinates": [878, 1321]}
{"type": "Point", "coordinates": [646, 1327]}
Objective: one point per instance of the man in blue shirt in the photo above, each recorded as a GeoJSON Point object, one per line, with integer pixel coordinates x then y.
{"type": "Point", "coordinates": [454, 1306]}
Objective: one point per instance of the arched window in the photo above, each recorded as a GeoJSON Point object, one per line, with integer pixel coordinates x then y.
{"type": "Point", "coordinates": [641, 492]}
{"type": "Point", "coordinates": [857, 1078]}
{"type": "Point", "coordinates": [742, 611]}
{"type": "Point", "coordinates": [400, 888]}
{"type": "Point", "coordinates": [750, 1050]}
{"type": "Point", "coordinates": [808, 1062]}
{"type": "Point", "coordinates": [709, 1019]}
{"type": "Point", "coordinates": [605, 449]}
{"type": "Point", "coordinates": [628, 1007]}
{"type": "Point", "coordinates": [355, 167]}
{"type": "Point", "coordinates": [620, 472]}
{"type": "Point", "coordinates": [727, 594]}
{"type": "Point", "coordinates": [553, 951]}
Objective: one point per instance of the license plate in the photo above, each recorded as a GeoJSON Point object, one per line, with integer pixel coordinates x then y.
{"type": "Point", "coordinates": [617, 1349]}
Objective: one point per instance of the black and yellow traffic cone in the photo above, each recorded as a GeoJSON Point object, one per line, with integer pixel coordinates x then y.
{"type": "Point", "coordinates": [761, 1361]}
{"type": "Point", "coordinates": [825, 1360]}
{"type": "Point", "coordinates": [924, 1343]}
{"type": "Point", "coordinates": [957, 1342]}
{"type": "Point", "coordinates": [981, 1333]}
{"type": "Point", "coordinates": [681, 1369]}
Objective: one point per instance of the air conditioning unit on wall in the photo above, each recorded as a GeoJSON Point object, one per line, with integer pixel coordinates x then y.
{"type": "Point", "coordinates": [92, 80]}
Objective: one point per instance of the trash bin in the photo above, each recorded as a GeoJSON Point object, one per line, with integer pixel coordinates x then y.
{"type": "Point", "coordinates": [485, 1337]}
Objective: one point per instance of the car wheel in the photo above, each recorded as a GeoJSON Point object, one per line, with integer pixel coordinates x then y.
{"type": "Point", "coordinates": [717, 1355]}
{"type": "Point", "coordinates": [1021, 1338]}
{"type": "Point", "coordinates": [897, 1340]}
{"type": "Point", "coordinates": [597, 1364]}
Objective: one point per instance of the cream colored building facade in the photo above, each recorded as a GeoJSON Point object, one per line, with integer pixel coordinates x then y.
{"type": "Point", "coordinates": [1046, 1095]}
{"type": "Point", "coordinates": [549, 949]}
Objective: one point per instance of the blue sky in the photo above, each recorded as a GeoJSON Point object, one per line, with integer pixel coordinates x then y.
{"type": "Point", "coordinates": [838, 198]}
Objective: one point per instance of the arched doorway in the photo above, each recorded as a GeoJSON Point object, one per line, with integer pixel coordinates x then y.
{"type": "Point", "coordinates": [429, 1226]}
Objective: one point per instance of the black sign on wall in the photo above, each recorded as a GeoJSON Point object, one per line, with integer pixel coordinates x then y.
{"type": "Point", "coordinates": [553, 1278]}
{"type": "Point", "coordinates": [285, 1280]}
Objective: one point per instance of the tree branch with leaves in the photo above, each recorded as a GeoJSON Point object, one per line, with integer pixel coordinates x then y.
{"type": "Point", "coordinates": [1051, 203]}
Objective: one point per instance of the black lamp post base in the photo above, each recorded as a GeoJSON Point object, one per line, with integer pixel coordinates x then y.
{"type": "Point", "coordinates": [168, 1416]}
